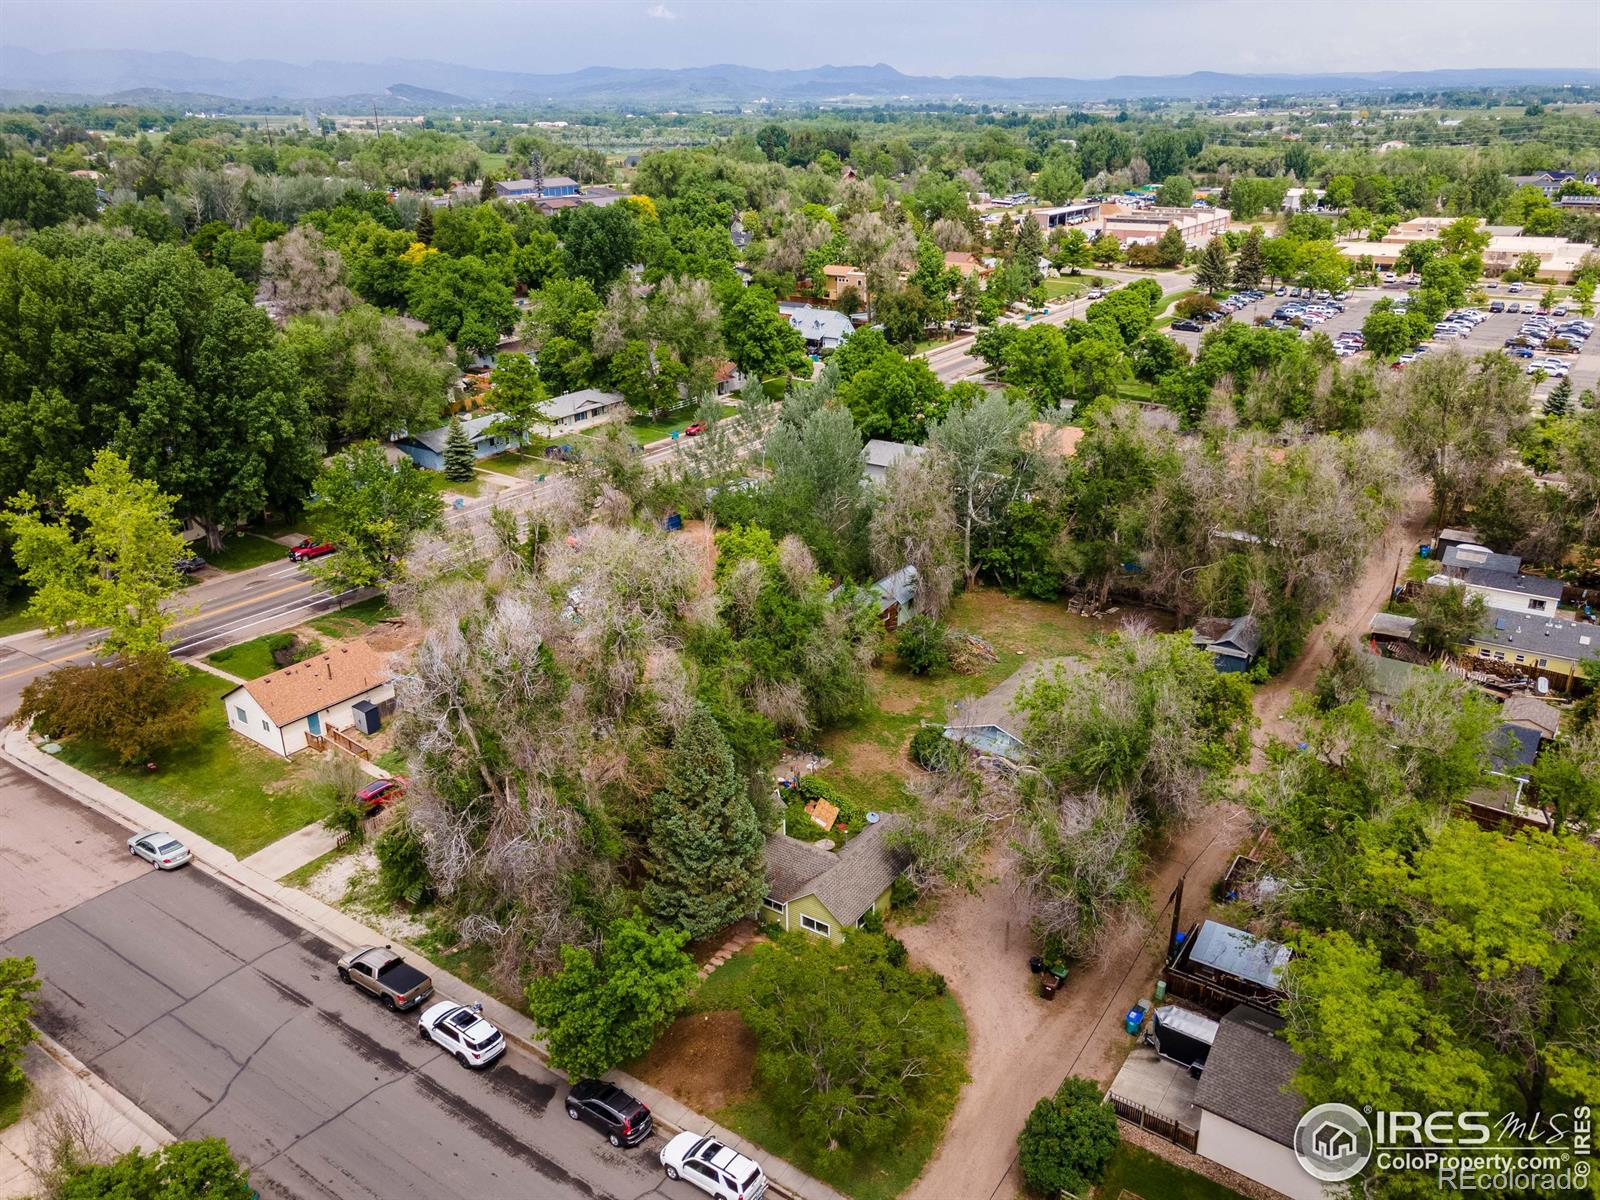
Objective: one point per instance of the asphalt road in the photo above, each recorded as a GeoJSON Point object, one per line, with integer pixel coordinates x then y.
{"type": "Point", "coordinates": [219, 1017]}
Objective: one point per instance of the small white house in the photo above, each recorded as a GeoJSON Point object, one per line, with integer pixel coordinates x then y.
{"type": "Point", "coordinates": [1507, 591]}
{"type": "Point", "coordinates": [588, 407]}
{"type": "Point", "coordinates": [309, 698]}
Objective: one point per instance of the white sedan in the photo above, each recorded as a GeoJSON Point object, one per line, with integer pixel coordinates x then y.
{"type": "Point", "coordinates": [161, 850]}
{"type": "Point", "coordinates": [461, 1031]}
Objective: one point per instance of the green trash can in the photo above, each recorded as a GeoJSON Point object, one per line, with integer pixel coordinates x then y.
{"type": "Point", "coordinates": [1161, 990]}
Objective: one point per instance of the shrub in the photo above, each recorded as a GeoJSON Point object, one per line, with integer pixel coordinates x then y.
{"type": "Point", "coordinates": [403, 865]}
{"type": "Point", "coordinates": [1068, 1139]}
{"type": "Point", "coordinates": [921, 647]}
{"type": "Point", "coordinates": [930, 749]}
{"type": "Point", "coordinates": [132, 707]}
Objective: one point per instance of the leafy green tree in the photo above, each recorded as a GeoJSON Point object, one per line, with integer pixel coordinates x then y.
{"type": "Point", "coordinates": [1211, 273]}
{"type": "Point", "coordinates": [1106, 250]}
{"type": "Point", "coordinates": [1073, 252]}
{"type": "Point", "coordinates": [1175, 192]}
{"type": "Point", "coordinates": [1029, 248]}
{"type": "Point", "coordinates": [132, 707]}
{"type": "Point", "coordinates": [1388, 334]}
{"type": "Point", "coordinates": [1036, 358]}
{"type": "Point", "coordinates": [1446, 616]}
{"type": "Point", "coordinates": [894, 398]}
{"type": "Point", "coordinates": [919, 644]}
{"type": "Point", "coordinates": [1068, 1140]}
{"type": "Point", "coordinates": [462, 298]}
{"type": "Point", "coordinates": [518, 397]}
{"type": "Point", "coordinates": [365, 375]}
{"type": "Point", "coordinates": [705, 847]}
{"type": "Point", "coordinates": [849, 1045]}
{"type": "Point", "coordinates": [596, 1014]}
{"type": "Point", "coordinates": [1249, 266]}
{"type": "Point", "coordinates": [17, 985]}
{"type": "Point", "coordinates": [372, 510]}
{"type": "Point", "coordinates": [111, 561]}
{"type": "Point", "coordinates": [460, 459]}
{"type": "Point", "coordinates": [598, 242]}
{"type": "Point", "coordinates": [760, 340]}
{"type": "Point", "coordinates": [1058, 181]}
{"type": "Point", "coordinates": [177, 1171]}
{"type": "Point", "coordinates": [41, 196]}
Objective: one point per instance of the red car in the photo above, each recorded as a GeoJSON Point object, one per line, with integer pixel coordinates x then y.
{"type": "Point", "coordinates": [381, 791]}
{"type": "Point", "coordinates": [694, 430]}
{"type": "Point", "coordinates": [309, 549]}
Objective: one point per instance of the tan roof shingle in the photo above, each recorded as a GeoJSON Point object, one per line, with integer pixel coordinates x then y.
{"type": "Point", "coordinates": [317, 683]}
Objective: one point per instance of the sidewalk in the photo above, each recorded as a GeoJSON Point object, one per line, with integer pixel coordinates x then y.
{"type": "Point", "coordinates": [345, 932]}
{"type": "Point", "coordinates": [103, 1115]}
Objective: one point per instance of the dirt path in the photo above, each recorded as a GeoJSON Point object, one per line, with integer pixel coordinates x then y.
{"type": "Point", "coordinates": [1353, 614]}
{"type": "Point", "coordinates": [1021, 1046]}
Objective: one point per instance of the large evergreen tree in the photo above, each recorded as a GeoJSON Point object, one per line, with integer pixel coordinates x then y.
{"type": "Point", "coordinates": [1559, 402]}
{"type": "Point", "coordinates": [425, 225]}
{"type": "Point", "coordinates": [459, 460]}
{"type": "Point", "coordinates": [1248, 268]}
{"type": "Point", "coordinates": [1211, 273]}
{"type": "Point", "coordinates": [705, 862]}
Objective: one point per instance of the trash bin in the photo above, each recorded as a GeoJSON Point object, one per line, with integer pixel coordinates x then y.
{"type": "Point", "coordinates": [1048, 984]}
{"type": "Point", "coordinates": [1161, 990]}
{"type": "Point", "coordinates": [1134, 1022]}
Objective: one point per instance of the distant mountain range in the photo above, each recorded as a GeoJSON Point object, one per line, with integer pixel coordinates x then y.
{"type": "Point", "coordinates": [418, 84]}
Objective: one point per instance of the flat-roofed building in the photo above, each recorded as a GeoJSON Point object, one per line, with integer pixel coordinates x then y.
{"type": "Point", "coordinates": [1138, 226]}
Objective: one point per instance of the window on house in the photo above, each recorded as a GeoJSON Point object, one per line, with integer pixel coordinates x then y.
{"type": "Point", "coordinates": [776, 906]}
{"type": "Point", "coordinates": [1535, 605]}
{"type": "Point", "coordinates": [266, 724]}
{"type": "Point", "coordinates": [812, 925]}
{"type": "Point", "coordinates": [243, 720]}
{"type": "Point", "coordinates": [1544, 662]}
{"type": "Point", "coordinates": [1521, 659]}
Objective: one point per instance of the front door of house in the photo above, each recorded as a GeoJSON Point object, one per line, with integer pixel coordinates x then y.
{"type": "Point", "coordinates": [314, 724]}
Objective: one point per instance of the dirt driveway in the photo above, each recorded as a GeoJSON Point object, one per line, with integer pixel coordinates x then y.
{"type": "Point", "coordinates": [1023, 1046]}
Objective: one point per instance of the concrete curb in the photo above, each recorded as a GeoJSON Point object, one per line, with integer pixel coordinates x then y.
{"type": "Point", "coordinates": [148, 1126]}
{"type": "Point", "coordinates": [345, 932]}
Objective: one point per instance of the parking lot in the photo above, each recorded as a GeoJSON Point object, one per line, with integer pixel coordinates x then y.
{"type": "Point", "coordinates": [1489, 335]}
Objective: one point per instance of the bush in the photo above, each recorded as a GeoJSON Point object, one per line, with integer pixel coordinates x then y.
{"type": "Point", "coordinates": [921, 647]}
{"type": "Point", "coordinates": [1068, 1139]}
{"type": "Point", "coordinates": [930, 749]}
{"type": "Point", "coordinates": [852, 819]}
{"type": "Point", "coordinates": [403, 865]}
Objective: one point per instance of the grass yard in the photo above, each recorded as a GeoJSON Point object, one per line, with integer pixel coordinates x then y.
{"type": "Point", "coordinates": [647, 430]}
{"type": "Point", "coordinates": [439, 485]}
{"type": "Point", "coordinates": [14, 617]}
{"type": "Point", "coordinates": [1133, 389]}
{"type": "Point", "coordinates": [247, 660]}
{"type": "Point", "coordinates": [869, 753]}
{"type": "Point", "coordinates": [1067, 287]}
{"type": "Point", "coordinates": [1137, 1172]}
{"type": "Point", "coordinates": [353, 620]}
{"type": "Point", "coordinates": [242, 551]}
{"type": "Point", "coordinates": [225, 788]}
{"type": "Point", "coordinates": [12, 1095]}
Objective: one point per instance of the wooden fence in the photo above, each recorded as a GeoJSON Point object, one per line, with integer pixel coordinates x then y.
{"type": "Point", "coordinates": [333, 737]}
{"type": "Point", "coordinates": [1162, 1127]}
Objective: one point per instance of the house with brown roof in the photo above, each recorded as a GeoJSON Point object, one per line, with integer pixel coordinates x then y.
{"type": "Point", "coordinates": [825, 892]}
{"type": "Point", "coordinates": [284, 710]}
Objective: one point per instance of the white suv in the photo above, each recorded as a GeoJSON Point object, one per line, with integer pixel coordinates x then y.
{"type": "Point", "coordinates": [715, 1169]}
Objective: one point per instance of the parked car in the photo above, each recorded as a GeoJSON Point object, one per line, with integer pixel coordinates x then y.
{"type": "Point", "coordinates": [1184, 325]}
{"type": "Point", "coordinates": [461, 1031]}
{"type": "Point", "coordinates": [623, 1120]}
{"type": "Point", "coordinates": [309, 549]}
{"type": "Point", "coordinates": [160, 850]}
{"type": "Point", "coordinates": [1094, 294]}
{"type": "Point", "coordinates": [190, 563]}
{"type": "Point", "coordinates": [694, 430]}
{"type": "Point", "coordinates": [1497, 306]}
{"type": "Point", "coordinates": [381, 791]}
{"type": "Point", "coordinates": [379, 970]}
{"type": "Point", "coordinates": [715, 1169]}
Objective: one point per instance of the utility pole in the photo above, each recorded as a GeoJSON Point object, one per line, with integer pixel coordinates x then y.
{"type": "Point", "coordinates": [1176, 900]}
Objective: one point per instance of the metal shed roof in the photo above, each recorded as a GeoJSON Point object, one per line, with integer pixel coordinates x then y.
{"type": "Point", "coordinates": [1244, 955]}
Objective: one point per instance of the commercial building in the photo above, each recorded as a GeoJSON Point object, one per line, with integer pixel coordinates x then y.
{"type": "Point", "coordinates": [535, 189]}
{"type": "Point", "coordinates": [1558, 258]}
{"type": "Point", "coordinates": [1065, 216]}
{"type": "Point", "coordinates": [1142, 226]}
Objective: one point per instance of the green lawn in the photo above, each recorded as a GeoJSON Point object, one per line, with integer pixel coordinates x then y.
{"type": "Point", "coordinates": [14, 616]}
{"type": "Point", "coordinates": [243, 551]}
{"type": "Point", "coordinates": [881, 1175]}
{"type": "Point", "coordinates": [724, 989]}
{"type": "Point", "coordinates": [225, 788]}
{"type": "Point", "coordinates": [11, 1097]}
{"type": "Point", "coordinates": [648, 431]}
{"type": "Point", "coordinates": [1133, 389]}
{"type": "Point", "coordinates": [1069, 286]}
{"type": "Point", "coordinates": [353, 620]}
{"type": "Point", "coordinates": [247, 660]}
{"type": "Point", "coordinates": [440, 484]}
{"type": "Point", "coordinates": [869, 753]}
{"type": "Point", "coordinates": [1137, 1172]}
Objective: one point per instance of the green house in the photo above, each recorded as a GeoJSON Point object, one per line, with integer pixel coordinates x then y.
{"type": "Point", "coordinates": [825, 892]}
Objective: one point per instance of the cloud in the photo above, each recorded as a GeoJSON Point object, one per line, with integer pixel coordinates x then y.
{"type": "Point", "coordinates": [660, 12]}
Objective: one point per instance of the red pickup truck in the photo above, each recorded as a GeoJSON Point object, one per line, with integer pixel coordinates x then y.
{"type": "Point", "coordinates": [309, 549]}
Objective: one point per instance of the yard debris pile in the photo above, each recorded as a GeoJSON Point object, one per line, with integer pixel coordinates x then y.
{"type": "Point", "coordinates": [970, 653]}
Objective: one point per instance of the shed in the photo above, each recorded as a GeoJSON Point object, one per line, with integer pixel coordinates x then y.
{"type": "Point", "coordinates": [1222, 950]}
{"type": "Point", "coordinates": [880, 455]}
{"type": "Point", "coordinates": [1530, 712]}
{"type": "Point", "coordinates": [1233, 642]}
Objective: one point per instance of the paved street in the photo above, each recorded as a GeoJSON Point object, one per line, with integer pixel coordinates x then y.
{"type": "Point", "coordinates": [219, 1017]}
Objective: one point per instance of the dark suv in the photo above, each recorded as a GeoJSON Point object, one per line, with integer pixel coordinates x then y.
{"type": "Point", "coordinates": [623, 1120]}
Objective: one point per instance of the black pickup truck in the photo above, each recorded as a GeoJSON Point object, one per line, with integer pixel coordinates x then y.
{"type": "Point", "coordinates": [379, 970]}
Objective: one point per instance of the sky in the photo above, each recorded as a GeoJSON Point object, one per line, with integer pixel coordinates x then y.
{"type": "Point", "coordinates": [1085, 39]}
